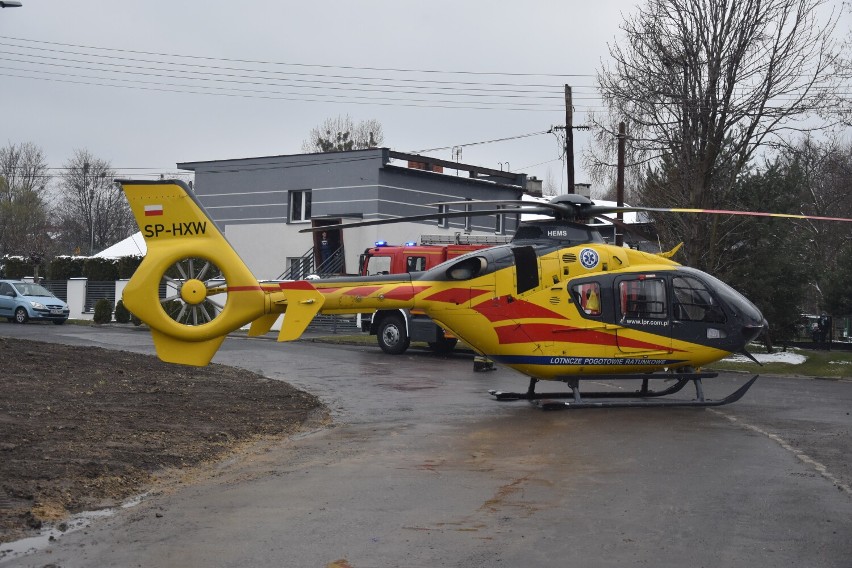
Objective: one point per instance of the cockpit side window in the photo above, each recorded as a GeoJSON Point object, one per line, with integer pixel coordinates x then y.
{"type": "Point", "coordinates": [694, 302]}
{"type": "Point", "coordinates": [588, 297]}
{"type": "Point", "coordinates": [643, 298]}
{"type": "Point", "coordinates": [467, 268]}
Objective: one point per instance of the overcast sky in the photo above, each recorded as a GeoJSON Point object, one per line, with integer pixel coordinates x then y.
{"type": "Point", "coordinates": [147, 84]}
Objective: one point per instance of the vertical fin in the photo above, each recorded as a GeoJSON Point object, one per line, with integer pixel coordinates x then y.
{"type": "Point", "coordinates": [197, 353]}
{"type": "Point", "coordinates": [303, 301]}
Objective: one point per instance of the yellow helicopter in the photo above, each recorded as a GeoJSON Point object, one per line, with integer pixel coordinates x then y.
{"type": "Point", "coordinates": [557, 303]}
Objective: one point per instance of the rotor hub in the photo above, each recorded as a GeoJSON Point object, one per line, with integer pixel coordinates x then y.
{"type": "Point", "coordinates": [193, 291]}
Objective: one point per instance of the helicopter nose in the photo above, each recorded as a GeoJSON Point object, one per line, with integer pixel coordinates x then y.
{"type": "Point", "coordinates": [751, 332]}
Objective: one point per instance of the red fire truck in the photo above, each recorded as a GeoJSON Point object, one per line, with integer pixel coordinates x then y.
{"type": "Point", "coordinates": [396, 329]}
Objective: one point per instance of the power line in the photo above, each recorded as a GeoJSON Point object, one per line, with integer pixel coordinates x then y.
{"type": "Point", "coordinates": [480, 142]}
{"type": "Point", "coordinates": [236, 79]}
{"type": "Point", "coordinates": [317, 98]}
{"type": "Point", "coordinates": [320, 66]}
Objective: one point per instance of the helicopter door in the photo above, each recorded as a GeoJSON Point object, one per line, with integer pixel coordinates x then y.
{"type": "Point", "coordinates": [642, 306]}
{"type": "Point", "coordinates": [696, 314]}
{"type": "Point", "coordinates": [526, 269]}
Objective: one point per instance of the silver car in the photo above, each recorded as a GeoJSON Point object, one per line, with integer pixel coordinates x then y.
{"type": "Point", "coordinates": [24, 301]}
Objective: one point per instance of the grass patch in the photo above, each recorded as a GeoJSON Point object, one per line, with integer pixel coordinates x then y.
{"type": "Point", "coordinates": [829, 364]}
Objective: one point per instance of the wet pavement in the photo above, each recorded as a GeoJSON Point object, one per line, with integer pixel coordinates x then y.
{"type": "Point", "coordinates": [422, 468]}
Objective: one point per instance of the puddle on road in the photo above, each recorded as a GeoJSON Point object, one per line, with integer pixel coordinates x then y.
{"type": "Point", "coordinates": [51, 534]}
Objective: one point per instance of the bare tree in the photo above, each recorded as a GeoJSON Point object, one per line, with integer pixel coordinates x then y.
{"type": "Point", "coordinates": [340, 134]}
{"type": "Point", "coordinates": [24, 168]}
{"type": "Point", "coordinates": [550, 187]}
{"type": "Point", "coordinates": [94, 211]}
{"type": "Point", "coordinates": [23, 210]}
{"type": "Point", "coordinates": [703, 85]}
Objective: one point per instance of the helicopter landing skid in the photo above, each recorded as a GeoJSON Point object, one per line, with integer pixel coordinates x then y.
{"type": "Point", "coordinates": [644, 397]}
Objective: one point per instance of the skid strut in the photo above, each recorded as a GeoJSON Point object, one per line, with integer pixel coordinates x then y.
{"type": "Point", "coordinates": [642, 397]}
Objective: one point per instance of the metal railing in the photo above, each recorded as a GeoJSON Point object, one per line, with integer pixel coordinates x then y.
{"type": "Point", "coordinates": [304, 266]}
{"type": "Point", "coordinates": [332, 266]}
{"type": "Point", "coordinates": [300, 268]}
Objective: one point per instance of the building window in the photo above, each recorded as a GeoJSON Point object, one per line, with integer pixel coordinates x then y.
{"type": "Point", "coordinates": [300, 206]}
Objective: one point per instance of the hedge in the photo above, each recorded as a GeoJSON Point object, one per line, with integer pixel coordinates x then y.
{"type": "Point", "coordinates": [100, 269]}
{"type": "Point", "coordinates": [17, 267]}
{"type": "Point", "coordinates": [65, 267]}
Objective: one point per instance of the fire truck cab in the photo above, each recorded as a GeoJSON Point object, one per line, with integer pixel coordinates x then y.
{"type": "Point", "coordinates": [396, 329]}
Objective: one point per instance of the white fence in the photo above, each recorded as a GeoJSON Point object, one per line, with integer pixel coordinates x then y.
{"type": "Point", "coordinates": [76, 296]}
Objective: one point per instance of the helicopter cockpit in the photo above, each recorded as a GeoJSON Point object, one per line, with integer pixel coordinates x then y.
{"type": "Point", "coordinates": [685, 303]}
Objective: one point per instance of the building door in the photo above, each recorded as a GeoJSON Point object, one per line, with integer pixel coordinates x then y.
{"type": "Point", "coordinates": [328, 248]}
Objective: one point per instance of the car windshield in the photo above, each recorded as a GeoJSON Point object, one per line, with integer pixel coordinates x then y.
{"type": "Point", "coordinates": [33, 290]}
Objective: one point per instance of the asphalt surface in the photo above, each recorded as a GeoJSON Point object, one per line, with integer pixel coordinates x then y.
{"type": "Point", "coordinates": [421, 468]}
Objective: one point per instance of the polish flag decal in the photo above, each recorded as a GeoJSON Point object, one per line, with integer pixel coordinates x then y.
{"type": "Point", "coordinates": [151, 210]}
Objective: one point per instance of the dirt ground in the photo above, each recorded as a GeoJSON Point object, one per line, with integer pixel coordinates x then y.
{"type": "Point", "coordinates": [83, 428]}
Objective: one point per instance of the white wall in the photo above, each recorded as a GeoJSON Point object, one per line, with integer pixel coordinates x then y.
{"type": "Point", "coordinates": [265, 247]}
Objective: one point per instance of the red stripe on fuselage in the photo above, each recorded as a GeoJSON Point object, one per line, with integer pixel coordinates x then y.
{"type": "Point", "coordinates": [455, 295]}
{"type": "Point", "coordinates": [296, 285]}
{"type": "Point", "coordinates": [501, 309]}
{"type": "Point", "coordinates": [328, 290]}
{"type": "Point", "coordinates": [362, 290]}
{"type": "Point", "coordinates": [404, 292]}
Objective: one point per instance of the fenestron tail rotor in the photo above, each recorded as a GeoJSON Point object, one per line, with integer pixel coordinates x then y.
{"type": "Point", "coordinates": [194, 291]}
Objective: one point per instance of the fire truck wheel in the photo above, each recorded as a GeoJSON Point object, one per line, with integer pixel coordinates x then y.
{"type": "Point", "coordinates": [443, 345]}
{"type": "Point", "coordinates": [392, 335]}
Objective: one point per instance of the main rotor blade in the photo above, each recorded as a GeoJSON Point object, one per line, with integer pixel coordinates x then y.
{"type": "Point", "coordinates": [582, 209]}
{"type": "Point", "coordinates": [745, 213]}
{"type": "Point", "coordinates": [436, 216]}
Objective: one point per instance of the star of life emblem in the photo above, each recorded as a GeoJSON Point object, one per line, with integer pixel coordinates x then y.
{"type": "Point", "coordinates": [589, 258]}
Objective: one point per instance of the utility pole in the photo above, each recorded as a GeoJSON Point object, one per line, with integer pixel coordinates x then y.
{"type": "Point", "coordinates": [619, 184]}
{"type": "Point", "coordinates": [569, 138]}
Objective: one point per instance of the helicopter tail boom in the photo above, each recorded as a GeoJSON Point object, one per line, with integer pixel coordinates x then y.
{"type": "Point", "coordinates": [192, 288]}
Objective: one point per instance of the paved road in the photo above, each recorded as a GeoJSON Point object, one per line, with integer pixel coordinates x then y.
{"type": "Point", "coordinates": [422, 469]}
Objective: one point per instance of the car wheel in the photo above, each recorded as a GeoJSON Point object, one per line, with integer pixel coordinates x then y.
{"type": "Point", "coordinates": [58, 322]}
{"type": "Point", "coordinates": [443, 345]}
{"type": "Point", "coordinates": [392, 336]}
{"type": "Point", "coordinates": [21, 315]}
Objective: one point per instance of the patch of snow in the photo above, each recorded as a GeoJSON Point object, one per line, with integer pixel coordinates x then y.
{"type": "Point", "coordinates": [780, 357]}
